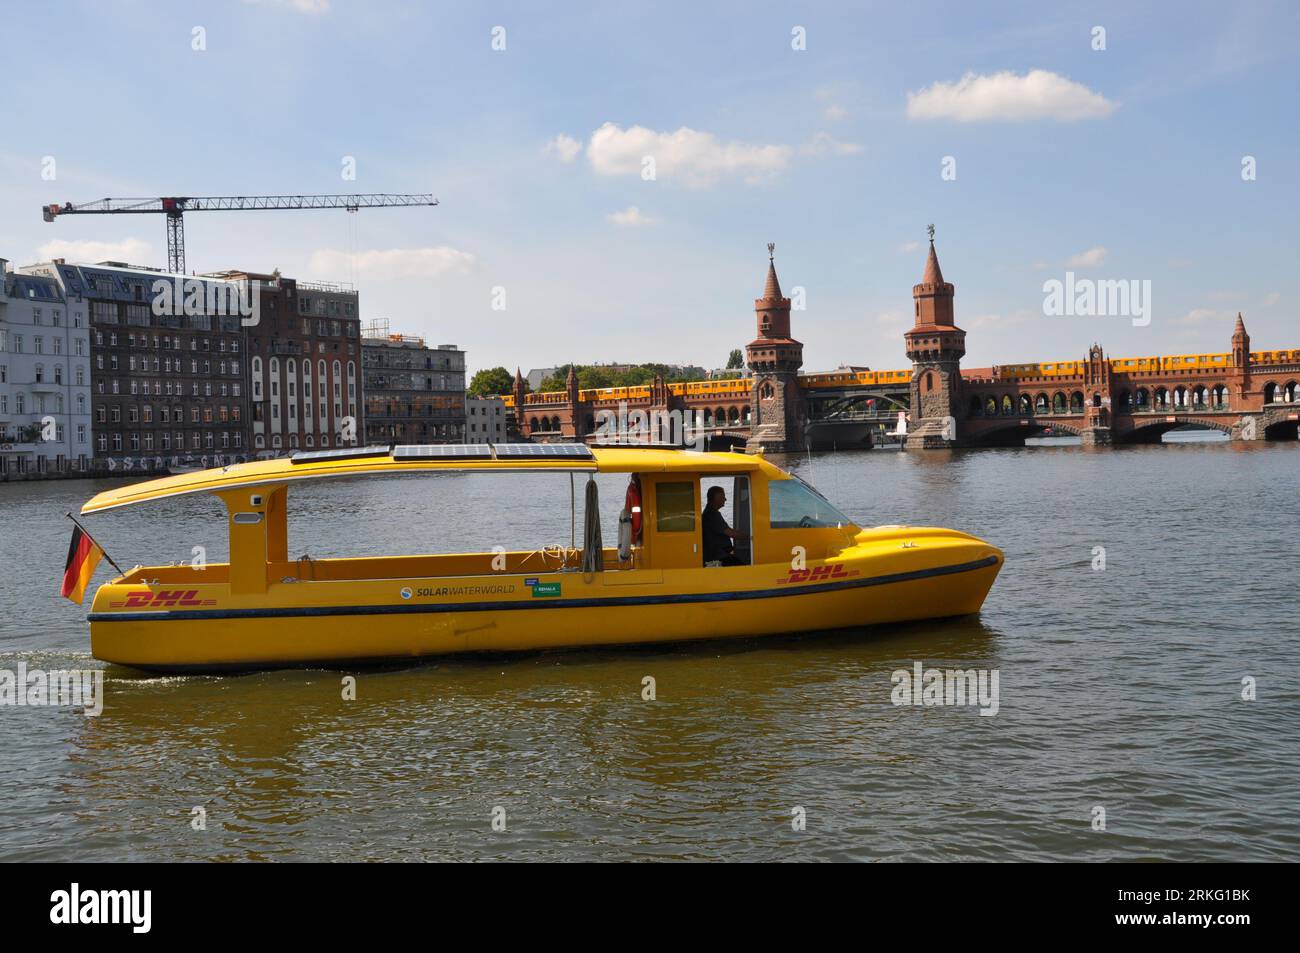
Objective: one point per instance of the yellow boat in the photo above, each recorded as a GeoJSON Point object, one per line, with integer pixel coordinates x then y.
{"type": "Point", "coordinates": [802, 566]}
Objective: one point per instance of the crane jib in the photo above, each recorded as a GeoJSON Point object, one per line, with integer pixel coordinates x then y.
{"type": "Point", "coordinates": [175, 206]}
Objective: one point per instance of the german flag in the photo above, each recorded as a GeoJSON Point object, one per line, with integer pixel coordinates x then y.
{"type": "Point", "coordinates": [84, 555]}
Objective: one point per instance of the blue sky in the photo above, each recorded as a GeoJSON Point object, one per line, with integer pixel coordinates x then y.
{"type": "Point", "coordinates": [1127, 161]}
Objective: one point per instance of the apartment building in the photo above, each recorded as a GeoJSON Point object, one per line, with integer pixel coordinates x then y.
{"type": "Point", "coordinates": [45, 379]}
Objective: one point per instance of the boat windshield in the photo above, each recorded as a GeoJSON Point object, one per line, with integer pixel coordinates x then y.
{"type": "Point", "coordinates": [794, 503]}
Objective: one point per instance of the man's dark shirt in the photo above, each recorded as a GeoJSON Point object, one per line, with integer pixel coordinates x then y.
{"type": "Point", "coordinates": [717, 545]}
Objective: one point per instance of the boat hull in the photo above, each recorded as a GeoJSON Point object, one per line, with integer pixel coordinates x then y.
{"type": "Point", "coordinates": [893, 574]}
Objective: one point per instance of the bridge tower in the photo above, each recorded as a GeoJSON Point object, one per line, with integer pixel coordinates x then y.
{"type": "Point", "coordinates": [935, 346]}
{"type": "Point", "coordinates": [774, 357]}
{"type": "Point", "coordinates": [1242, 388]}
{"type": "Point", "coordinates": [1097, 398]}
{"type": "Point", "coordinates": [573, 428]}
{"type": "Point", "coordinates": [519, 390]}
{"type": "Point", "coordinates": [1241, 361]}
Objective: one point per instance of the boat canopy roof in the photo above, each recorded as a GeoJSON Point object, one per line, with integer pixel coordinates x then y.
{"type": "Point", "coordinates": [431, 458]}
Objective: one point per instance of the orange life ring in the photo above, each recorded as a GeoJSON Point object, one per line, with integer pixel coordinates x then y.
{"type": "Point", "coordinates": [632, 503]}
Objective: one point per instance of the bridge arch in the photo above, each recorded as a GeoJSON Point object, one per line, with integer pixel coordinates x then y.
{"type": "Point", "coordinates": [1014, 433]}
{"type": "Point", "coordinates": [1275, 429]}
{"type": "Point", "coordinates": [1152, 431]}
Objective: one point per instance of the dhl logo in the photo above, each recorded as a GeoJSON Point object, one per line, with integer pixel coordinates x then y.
{"type": "Point", "coordinates": [818, 574]}
{"type": "Point", "coordinates": [164, 598]}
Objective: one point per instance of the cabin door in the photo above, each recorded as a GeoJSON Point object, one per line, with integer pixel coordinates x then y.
{"type": "Point", "coordinates": [672, 522]}
{"type": "Point", "coordinates": [743, 524]}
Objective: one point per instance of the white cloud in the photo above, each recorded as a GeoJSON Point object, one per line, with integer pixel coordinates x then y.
{"type": "Point", "coordinates": [909, 247]}
{"type": "Point", "coordinates": [893, 321]}
{"type": "Point", "coordinates": [697, 159]}
{"type": "Point", "coordinates": [1199, 316]}
{"type": "Point", "coordinates": [300, 6]}
{"type": "Point", "coordinates": [831, 96]}
{"type": "Point", "coordinates": [630, 217]}
{"type": "Point", "coordinates": [824, 144]}
{"type": "Point", "coordinates": [133, 251]}
{"type": "Point", "coordinates": [1272, 299]}
{"type": "Point", "coordinates": [1038, 94]}
{"type": "Point", "coordinates": [996, 320]}
{"type": "Point", "coordinates": [566, 147]}
{"type": "Point", "coordinates": [1092, 258]}
{"type": "Point", "coordinates": [391, 262]}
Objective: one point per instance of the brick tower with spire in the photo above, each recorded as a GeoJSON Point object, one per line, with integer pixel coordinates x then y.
{"type": "Point", "coordinates": [774, 358]}
{"type": "Point", "coordinates": [935, 346]}
{"type": "Point", "coordinates": [1241, 359]}
{"type": "Point", "coordinates": [518, 390]}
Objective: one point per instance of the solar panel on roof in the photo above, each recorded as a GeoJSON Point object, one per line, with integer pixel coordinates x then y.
{"type": "Point", "coordinates": [542, 451]}
{"type": "Point", "coordinates": [346, 453]}
{"type": "Point", "coordinates": [442, 451]}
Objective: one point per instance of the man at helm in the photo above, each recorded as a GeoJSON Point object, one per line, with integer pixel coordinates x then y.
{"type": "Point", "coordinates": [719, 545]}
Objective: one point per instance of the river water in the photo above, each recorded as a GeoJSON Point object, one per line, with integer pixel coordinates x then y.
{"type": "Point", "coordinates": [1120, 689]}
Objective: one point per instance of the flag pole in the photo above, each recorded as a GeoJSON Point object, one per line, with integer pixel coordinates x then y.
{"type": "Point", "coordinates": [112, 562]}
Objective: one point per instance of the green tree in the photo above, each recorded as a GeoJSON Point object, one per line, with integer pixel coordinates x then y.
{"type": "Point", "coordinates": [736, 360]}
{"type": "Point", "coordinates": [491, 382]}
{"type": "Point", "coordinates": [554, 381]}
{"type": "Point", "coordinates": [590, 378]}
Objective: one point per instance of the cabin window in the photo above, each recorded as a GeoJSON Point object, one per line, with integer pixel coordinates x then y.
{"type": "Point", "coordinates": [793, 503]}
{"type": "Point", "coordinates": [675, 507]}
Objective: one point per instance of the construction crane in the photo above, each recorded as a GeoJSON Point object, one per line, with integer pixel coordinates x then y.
{"type": "Point", "coordinates": [175, 207]}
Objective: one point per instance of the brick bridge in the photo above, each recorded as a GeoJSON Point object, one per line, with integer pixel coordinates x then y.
{"type": "Point", "coordinates": [1248, 395]}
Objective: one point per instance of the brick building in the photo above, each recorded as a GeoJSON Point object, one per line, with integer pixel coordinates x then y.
{"type": "Point", "coordinates": [305, 386]}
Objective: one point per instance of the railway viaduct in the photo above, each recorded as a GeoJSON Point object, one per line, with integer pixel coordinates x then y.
{"type": "Point", "coordinates": [1245, 394]}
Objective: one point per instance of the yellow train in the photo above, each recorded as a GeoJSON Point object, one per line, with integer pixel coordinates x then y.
{"type": "Point", "coordinates": [831, 380]}
{"type": "Point", "coordinates": [837, 379]}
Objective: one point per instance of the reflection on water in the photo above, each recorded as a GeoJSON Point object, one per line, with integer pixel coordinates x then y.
{"type": "Point", "coordinates": [1119, 688]}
